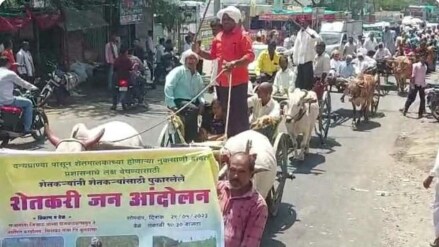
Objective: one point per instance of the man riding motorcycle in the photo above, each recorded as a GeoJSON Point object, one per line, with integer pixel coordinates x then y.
{"type": "Point", "coordinates": [8, 80]}
{"type": "Point", "coordinates": [136, 77]}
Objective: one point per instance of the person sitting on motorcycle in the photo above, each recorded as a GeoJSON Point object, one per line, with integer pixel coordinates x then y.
{"type": "Point", "coordinates": [182, 84]}
{"type": "Point", "coordinates": [8, 80]}
{"type": "Point", "coordinates": [268, 63]}
{"type": "Point", "coordinates": [122, 67]}
{"type": "Point", "coordinates": [136, 76]}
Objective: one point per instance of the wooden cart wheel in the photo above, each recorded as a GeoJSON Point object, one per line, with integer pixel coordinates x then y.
{"type": "Point", "coordinates": [274, 197]}
{"type": "Point", "coordinates": [324, 121]}
{"type": "Point", "coordinates": [376, 98]}
{"type": "Point", "coordinates": [170, 136]}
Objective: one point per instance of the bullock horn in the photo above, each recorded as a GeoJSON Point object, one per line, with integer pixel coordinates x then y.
{"type": "Point", "coordinates": [248, 146]}
{"type": "Point", "coordinates": [304, 96]}
{"type": "Point", "coordinates": [75, 133]}
{"type": "Point", "coordinates": [51, 136]}
{"type": "Point", "coordinates": [92, 141]}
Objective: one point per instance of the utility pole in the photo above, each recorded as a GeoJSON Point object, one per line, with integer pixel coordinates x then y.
{"type": "Point", "coordinates": [216, 6]}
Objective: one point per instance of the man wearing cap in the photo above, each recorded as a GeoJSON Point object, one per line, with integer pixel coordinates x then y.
{"type": "Point", "coordinates": [304, 54]}
{"type": "Point", "coordinates": [183, 84]}
{"type": "Point", "coordinates": [233, 48]}
{"type": "Point", "coordinates": [361, 63]}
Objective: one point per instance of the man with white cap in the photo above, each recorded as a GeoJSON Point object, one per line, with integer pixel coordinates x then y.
{"type": "Point", "coordinates": [182, 84]}
{"type": "Point", "coordinates": [233, 49]}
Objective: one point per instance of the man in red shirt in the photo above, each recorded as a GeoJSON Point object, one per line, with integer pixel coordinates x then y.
{"type": "Point", "coordinates": [233, 49]}
{"type": "Point", "coordinates": [9, 53]}
{"type": "Point", "coordinates": [122, 67]}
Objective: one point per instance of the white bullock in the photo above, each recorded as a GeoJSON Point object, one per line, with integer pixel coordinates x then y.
{"type": "Point", "coordinates": [301, 113]}
{"type": "Point", "coordinates": [265, 165]}
{"type": "Point", "coordinates": [111, 135]}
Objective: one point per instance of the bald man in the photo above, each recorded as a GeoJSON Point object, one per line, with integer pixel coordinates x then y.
{"type": "Point", "coordinates": [263, 104]}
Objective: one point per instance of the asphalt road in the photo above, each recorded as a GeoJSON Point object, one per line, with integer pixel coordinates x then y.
{"type": "Point", "coordinates": [325, 205]}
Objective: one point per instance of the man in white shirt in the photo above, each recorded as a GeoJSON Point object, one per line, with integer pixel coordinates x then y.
{"type": "Point", "coordinates": [8, 80]}
{"type": "Point", "coordinates": [26, 68]}
{"type": "Point", "coordinates": [258, 40]}
{"type": "Point", "coordinates": [370, 44]}
{"type": "Point", "coordinates": [388, 39]}
{"type": "Point", "coordinates": [382, 53]}
{"type": "Point", "coordinates": [434, 173]}
{"type": "Point", "coordinates": [111, 54]}
{"type": "Point", "coordinates": [304, 54]}
{"type": "Point", "coordinates": [361, 63]}
{"type": "Point", "coordinates": [289, 42]}
{"type": "Point", "coordinates": [187, 43]}
{"type": "Point", "coordinates": [334, 63]}
{"type": "Point", "coordinates": [284, 82]}
{"type": "Point", "coordinates": [350, 48]}
{"type": "Point", "coordinates": [322, 62]}
{"type": "Point", "coordinates": [263, 104]}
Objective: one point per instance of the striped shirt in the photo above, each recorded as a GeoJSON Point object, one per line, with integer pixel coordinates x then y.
{"type": "Point", "coordinates": [244, 216]}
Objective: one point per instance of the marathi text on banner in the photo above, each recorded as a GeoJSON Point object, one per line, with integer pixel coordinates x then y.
{"type": "Point", "coordinates": [121, 198]}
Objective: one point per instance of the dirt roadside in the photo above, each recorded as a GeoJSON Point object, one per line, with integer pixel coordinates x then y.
{"type": "Point", "coordinates": [408, 214]}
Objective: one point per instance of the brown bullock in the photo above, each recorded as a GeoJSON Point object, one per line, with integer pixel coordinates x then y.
{"type": "Point", "coordinates": [402, 68]}
{"type": "Point", "coordinates": [361, 91]}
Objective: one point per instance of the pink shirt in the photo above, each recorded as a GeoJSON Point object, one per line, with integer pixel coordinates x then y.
{"type": "Point", "coordinates": [419, 73]}
{"type": "Point", "coordinates": [111, 52]}
{"type": "Point", "coordinates": [244, 216]}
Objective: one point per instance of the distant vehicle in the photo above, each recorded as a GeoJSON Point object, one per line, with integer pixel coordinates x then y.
{"type": "Point", "coordinates": [257, 49]}
{"type": "Point", "coordinates": [335, 34]}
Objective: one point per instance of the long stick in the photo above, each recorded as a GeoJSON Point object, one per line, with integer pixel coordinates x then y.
{"type": "Point", "coordinates": [202, 20]}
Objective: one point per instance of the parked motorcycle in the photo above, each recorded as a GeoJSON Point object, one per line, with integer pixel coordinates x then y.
{"type": "Point", "coordinates": [432, 93]}
{"type": "Point", "coordinates": [11, 120]}
{"type": "Point", "coordinates": [53, 85]}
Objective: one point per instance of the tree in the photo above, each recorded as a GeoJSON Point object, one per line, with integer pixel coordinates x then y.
{"type": "Point", "coordinates": [167, 13]}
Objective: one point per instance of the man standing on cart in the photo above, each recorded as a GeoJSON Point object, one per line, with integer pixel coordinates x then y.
{"type": "Point", "coordinates": [304, 54]}
{"type": "Point", "coordinates": [233, 49]}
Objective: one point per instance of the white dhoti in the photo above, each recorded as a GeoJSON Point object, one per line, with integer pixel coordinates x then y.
{"type": "Point", "coordinates": [436, 211]}
{"type": "Point", "coordinates": [435, 173]}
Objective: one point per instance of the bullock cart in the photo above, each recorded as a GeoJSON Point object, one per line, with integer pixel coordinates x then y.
{"type": "Point", "coordinates": [172, 135]}
{"type": "Point", "coordinates": [325, 111]}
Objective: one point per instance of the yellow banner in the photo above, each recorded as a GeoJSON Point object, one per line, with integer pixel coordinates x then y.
{"type": "Point", "coordinates": [118, 198]}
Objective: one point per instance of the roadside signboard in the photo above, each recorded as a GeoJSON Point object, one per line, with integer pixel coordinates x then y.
{"type": "Point", "coordinates": [131, 11]}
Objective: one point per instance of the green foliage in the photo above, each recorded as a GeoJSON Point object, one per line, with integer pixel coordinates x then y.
{"type": "Point", "coordinates": [167, 13]}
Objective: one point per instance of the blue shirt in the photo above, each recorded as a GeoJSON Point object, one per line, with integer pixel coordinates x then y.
{"type": "Point", "coordinates": [346, 70]}
{"type": "Point", "coordinates": [182, 84]}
